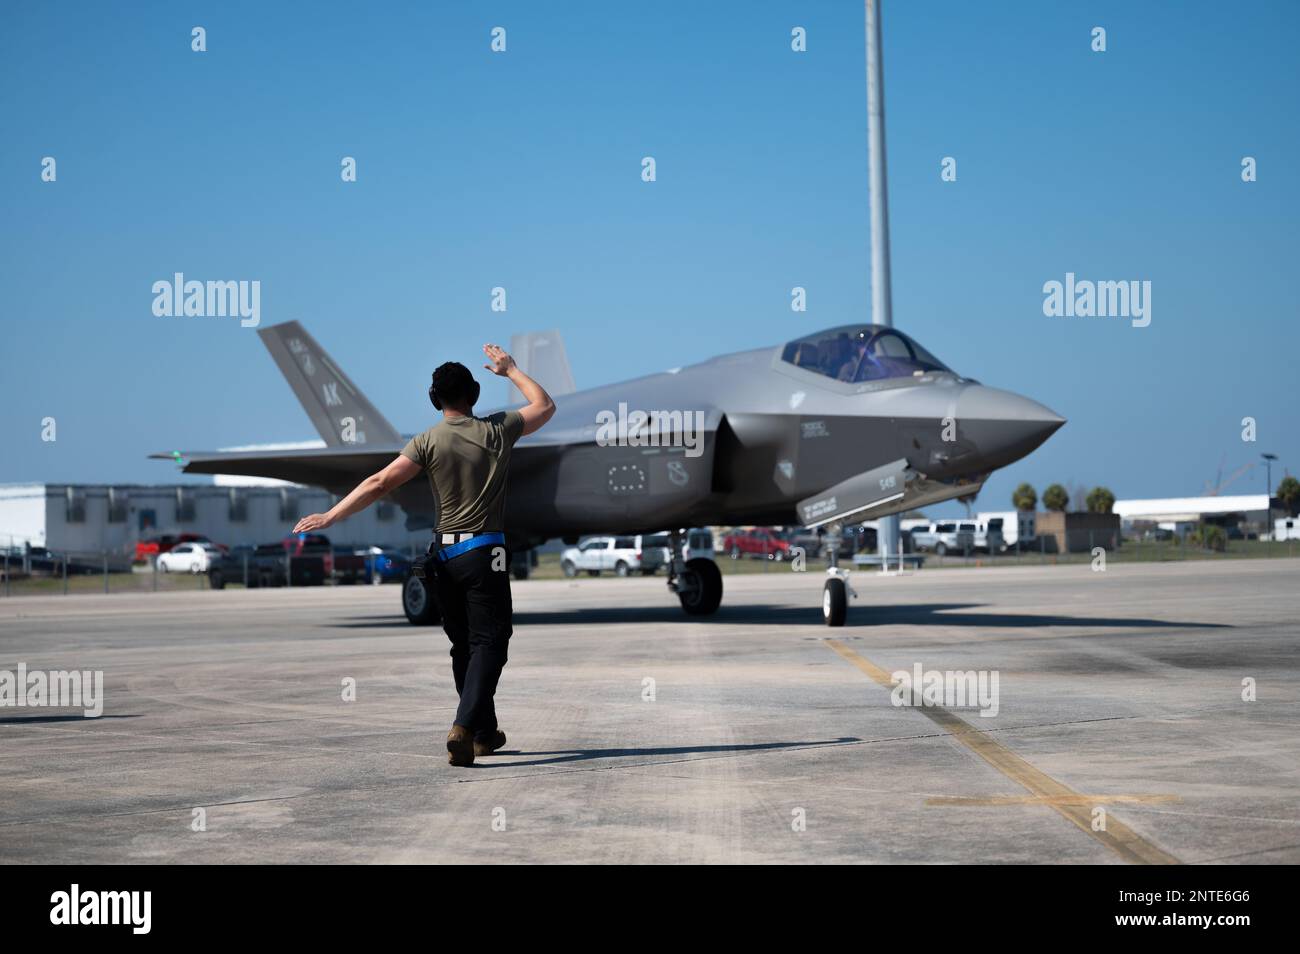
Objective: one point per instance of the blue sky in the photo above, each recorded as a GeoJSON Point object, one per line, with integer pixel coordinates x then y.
{"type": "Point", "coordinates": [522, 170]}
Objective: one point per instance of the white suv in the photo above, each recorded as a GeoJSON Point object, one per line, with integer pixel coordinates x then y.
{"type": "Point", "coordinates": [944, 537]}
{"type": "Point", "coordinates": [623, 555]}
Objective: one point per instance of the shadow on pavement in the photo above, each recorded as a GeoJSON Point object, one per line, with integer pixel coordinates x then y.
{"type": "Point", "coordinates": [20, 720]}
{"type": "Point", "coordinates": [585, 755]}
{"type": "Point", "coordinates": [860, 615]}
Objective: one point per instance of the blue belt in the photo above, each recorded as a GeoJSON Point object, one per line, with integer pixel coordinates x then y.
{"type": "Point", "coordinates": [473, 543]}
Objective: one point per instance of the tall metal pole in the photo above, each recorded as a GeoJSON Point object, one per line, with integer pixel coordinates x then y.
{"type": "Point", "coordinates": [882, 311]}
{"type": "Point", "coordinates": [888, 539]}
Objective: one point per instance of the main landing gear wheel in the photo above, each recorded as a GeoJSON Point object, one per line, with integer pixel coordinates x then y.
{"type": "Point", "coordinates": [835, 602]}
{"type": "Point", "coordinates": [700, 587]}
{"type": "Point", "coordinates": [418, 603]}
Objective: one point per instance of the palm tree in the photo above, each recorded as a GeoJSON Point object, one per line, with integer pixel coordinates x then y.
{"type": "Point", "coordinates": [1024, 497]}
{"type": "Point", "coordinates": [1055, 498]}
{"type": "Point", "coordinates": [1100, 500]}
{"type": "Point", "coordinates": [1288, 494]}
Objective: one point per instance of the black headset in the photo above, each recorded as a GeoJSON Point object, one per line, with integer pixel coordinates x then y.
{"type": "Point", "coordinates": [473, 395]}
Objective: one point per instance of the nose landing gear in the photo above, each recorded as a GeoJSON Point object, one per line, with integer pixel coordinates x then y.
{"type": "Point", "coordinates": [837, 590]}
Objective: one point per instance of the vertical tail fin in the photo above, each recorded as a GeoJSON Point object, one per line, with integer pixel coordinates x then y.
{"type": "Point", "coordinates": [541, 356]}
{"type": "Point", "coordinates": [342, 414]}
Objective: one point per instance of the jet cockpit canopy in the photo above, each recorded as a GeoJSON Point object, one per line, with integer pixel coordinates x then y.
{"type": "Point", "coordinates": [857, 353]}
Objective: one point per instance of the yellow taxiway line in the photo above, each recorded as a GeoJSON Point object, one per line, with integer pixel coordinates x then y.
{"type": "Point", "coordinates": [1045, 790]}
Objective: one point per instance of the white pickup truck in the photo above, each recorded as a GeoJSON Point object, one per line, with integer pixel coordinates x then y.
{"type": "Point", "coordinates": [621, 555]}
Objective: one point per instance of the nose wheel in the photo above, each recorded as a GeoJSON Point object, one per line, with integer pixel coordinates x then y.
{"type": "Point", "coordinates": [836, 590]}
{"type": "Point", "coordinates": [835, 601]}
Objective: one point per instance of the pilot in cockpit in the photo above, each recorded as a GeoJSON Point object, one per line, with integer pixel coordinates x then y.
{"type": "Point", "coordinates": [861, 360]}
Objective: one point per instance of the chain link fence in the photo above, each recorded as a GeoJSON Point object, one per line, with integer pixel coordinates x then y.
{"type": "Point", "coordinates": [26, 571]}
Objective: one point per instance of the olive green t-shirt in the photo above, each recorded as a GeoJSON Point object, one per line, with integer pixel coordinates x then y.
{"type": "Point", "coordinates": [466, 459]}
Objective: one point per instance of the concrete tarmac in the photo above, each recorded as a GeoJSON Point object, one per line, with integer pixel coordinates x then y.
{"type": "Point", "coordinates": [638, 734]}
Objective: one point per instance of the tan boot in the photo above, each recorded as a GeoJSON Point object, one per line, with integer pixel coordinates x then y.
{"type": "Point", "coordinates": [488, 746]}
{"type": "Point", "coordinates": [460, 746]}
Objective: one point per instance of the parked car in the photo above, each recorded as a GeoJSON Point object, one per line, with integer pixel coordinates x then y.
{"type": "Point", "coordinates": [985, 537]}
{"type": "Point", "coordinates": [523, 562]}
{"type": "Point", "coordinates": [1016, 527]}
{"type": "Point", "coordinates": [385, 566]}
{"type": "Point", "coordinates": [230, 567]}
{"type": "Point", "coordinates": [274, 565]}
{"type": "Point", "coordinates": [943, 538]}
{"type": "Point", "coordinates": [760, 542]}
{"type": "Point", "coordinates": [659, 547]}
{"type": "Point", "coordinates": [698, 543]}
{"type": "Point", "coordinates": [303, 559]}
{"type": "Point", "coordinates": [188, 558]}
{"type": "Point", "coordinates": [924, 537]}
{"type": "Point", "coordinates": [154, 546]}
{"type": "Point", "coordinates": [338, 564]}
{"type": "Point", "coordinates": [278, 564]}
{"type": "Point", "coordinates": [345, 566]}
{"type": "Point", "coordinates": [809, 540]}
{"type": "Point", "coordinates": [994, 539]}
{"type": "Point", "coordinates": [623, 555]}
{"type": "Point", "coordinates": [813, 542]}
{"type": "Point", "coordinates": [868, 540]}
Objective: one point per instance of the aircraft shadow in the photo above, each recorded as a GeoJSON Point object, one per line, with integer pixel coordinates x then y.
{"type": "Point", "coordinates": [781, 615]}
{"type": "Point", "coordinates": [861, 615]}
{"type": "Point", "coordinates": [941, 614]}
{"type": "Point", "coordinates": [584, 755]}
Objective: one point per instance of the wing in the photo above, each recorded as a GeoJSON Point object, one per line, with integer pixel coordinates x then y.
{"type": "Point", "coordinates": [336, 469]}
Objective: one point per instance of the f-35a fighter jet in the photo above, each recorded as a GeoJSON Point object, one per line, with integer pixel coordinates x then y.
{"type": "Point", "coordinates": [847, 424]}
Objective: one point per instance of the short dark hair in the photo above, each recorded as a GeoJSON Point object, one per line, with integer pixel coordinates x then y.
{"type": "Point", "coordinates": [453, 384]}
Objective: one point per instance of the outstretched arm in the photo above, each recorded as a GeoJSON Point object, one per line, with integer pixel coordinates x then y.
{"type": "Point", "coordinates": [540, 407]}
{"type": "Point", "coordinates": [367, 492]}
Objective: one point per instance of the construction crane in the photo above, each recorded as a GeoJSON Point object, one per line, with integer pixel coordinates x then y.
{"type": "Point", "coordinates": [1223, 485]}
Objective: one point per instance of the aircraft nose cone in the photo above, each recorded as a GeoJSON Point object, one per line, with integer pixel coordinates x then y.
{"type": "Point", "coordinates": [1004, 426]}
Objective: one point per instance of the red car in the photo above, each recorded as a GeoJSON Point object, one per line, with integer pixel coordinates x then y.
{"type": "Point", "coordinates": [758, 542]}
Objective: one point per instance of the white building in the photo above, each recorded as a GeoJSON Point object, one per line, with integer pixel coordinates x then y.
{"type": "Point", "coordinates": [1179, 513]}
{"type": "Point", "coordinates": [99, 518]}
